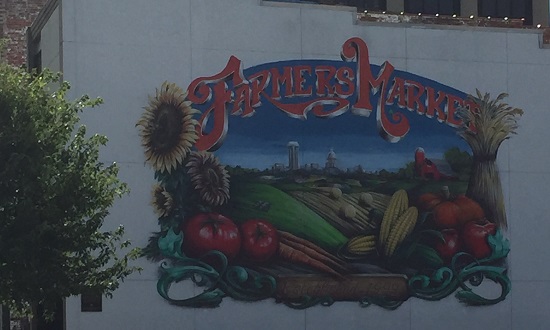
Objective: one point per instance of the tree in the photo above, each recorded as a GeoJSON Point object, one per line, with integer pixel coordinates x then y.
{"type": "Point", "coordinates": [408, 171]}
{"type": "Point", "coordinates": [460, 162]}
{"type": "Point", "coordinates": [54, 197]}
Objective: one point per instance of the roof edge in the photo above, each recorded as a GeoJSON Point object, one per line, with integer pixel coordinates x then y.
{"type": "Point", "coordinates": [42, 18]}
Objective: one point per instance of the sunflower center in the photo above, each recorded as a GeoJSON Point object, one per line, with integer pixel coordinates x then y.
{"type": "Point", "coordinates": [212, 177]}
{"type": "Point", "coordinates": [167, 128]}
{"type": "Point", "coordinates": [161, 199]}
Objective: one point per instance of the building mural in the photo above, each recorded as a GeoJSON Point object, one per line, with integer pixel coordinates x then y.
{"type": "Point", "coordinates": [315, 181]}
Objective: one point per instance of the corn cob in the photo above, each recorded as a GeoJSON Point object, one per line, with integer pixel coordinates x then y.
{"type": "Point", "coordinates": [362, 244]}
{"type": "Point", "coordinates": [402, 228]}
{"type": "Point", "coordinates": [361, 240]}
{"type": "Point", "coordinates": [398, 204]}
{"type": "Point", "coordinates": [363, 249]}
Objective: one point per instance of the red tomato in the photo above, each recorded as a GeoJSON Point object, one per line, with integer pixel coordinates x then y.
{"type": "Point", "coordinates": [260, 239]}
{"type": "Point", "coordinates": [205, 232]}
{"type": "Point", "coordinates": [475, 235]}
{"type": "Point", "coordinates": [451, 245]}
{"type": "Point", "coordinates": [450, 212]}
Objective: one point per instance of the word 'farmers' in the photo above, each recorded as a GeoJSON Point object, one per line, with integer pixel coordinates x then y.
{"type": "Point", "coordinates": [324, 90]}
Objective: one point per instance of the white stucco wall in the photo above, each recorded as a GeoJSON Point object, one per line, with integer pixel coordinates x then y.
{"type": "Point", "coordinates": [123, 50]}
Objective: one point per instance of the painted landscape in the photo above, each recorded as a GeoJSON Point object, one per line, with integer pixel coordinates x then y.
{"type": "Point", "coordinates": [325, 209]}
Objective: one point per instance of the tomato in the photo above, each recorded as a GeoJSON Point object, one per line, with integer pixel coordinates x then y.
{"type": "Point", "coordinates": [450, 212]}
{"type": "Point", "coordinates": [260, 239]}
{"type": "Point", "coordinates": [474, 235]}
{"type": "Point", "coordinates": [205, 232]}
{"type": "Point", "coordinates": [449, 246]}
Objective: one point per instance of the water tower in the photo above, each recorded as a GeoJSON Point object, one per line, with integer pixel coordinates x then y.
{"type": "Point", "coordinates": [293, 147]}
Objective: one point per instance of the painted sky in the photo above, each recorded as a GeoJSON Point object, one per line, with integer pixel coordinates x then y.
{"type": "Point", "coordinates": [259, 143]}
{"type": "Point", "coordinates": [261, 140]}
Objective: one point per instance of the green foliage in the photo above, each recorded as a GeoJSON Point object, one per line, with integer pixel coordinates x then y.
{"type": "Point", "coordinates": [407, 172]}
{"type": "Point", "coordinates": [54, 197]}
{"type": "Point", "coordinates": [460, 162]}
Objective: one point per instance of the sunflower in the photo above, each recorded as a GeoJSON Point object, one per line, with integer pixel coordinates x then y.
{"type": "Point", "coordinates": [209, 178]}
{"type": "Point", "coordinates": [162, 201]}
{"type": "Point", "coordinates": [167, 128]}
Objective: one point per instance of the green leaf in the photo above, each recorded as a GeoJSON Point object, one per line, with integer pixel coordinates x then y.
{"type": "Point", "coordinates": [499, 245]}
{"type": "Point", "coordinates": [424, 255]}
{"type": "Point", "coordinates": [170, 244]}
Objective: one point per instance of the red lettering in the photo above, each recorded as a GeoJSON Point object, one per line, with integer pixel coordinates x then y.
{"type": "Point", "coordinates": [414, 92]}
{"type": "Point", "coordinates": [434, 105]}
{"type": "Point", "coordinates": [200, 92]}
{"type": "Point", "coordinates": [281, 79]}
{"type": "Point", "coordinates": [324, 75]}
{"type": "Point", "coordinates": [258, 83]}
{"type": "Point", "coordinates": [397, 90]}
{"type": "Point", "coordinates": [356, 48]}
{"type": "Point", "coordinates": [213, 140]}
{"type": "Point", "coordinates": [299, 80]}
{"type": "Point", "coordinates": [452, 103]}
{"type": "Point", "coordinates": [345, 86]}
{"type": "Point", "coordinates": [332, 88]}
{"type": "Point", "coordinates": [340, 106]}
{"type": "Point", "coordinates": [391, 130]}
{"type": "Point", "coordinates": [242, 96]}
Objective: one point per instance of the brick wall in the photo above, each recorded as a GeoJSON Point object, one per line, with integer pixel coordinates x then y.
{"type": "Point", "coordinates": [15, 17]}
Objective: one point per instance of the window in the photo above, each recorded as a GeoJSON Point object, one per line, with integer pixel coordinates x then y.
{"type": "Point", "coordinates": [507, 8]}
{"type": "Point", "coordinates": [91, 302]}
{"type": "Point", "coordinates": [374, 5]}
{"type": "Point", "coordinates": [442, 7]}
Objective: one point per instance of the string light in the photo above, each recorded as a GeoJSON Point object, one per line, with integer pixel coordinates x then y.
{"type": "Point", "coordinates": [538, 26]}
{"type": "Point", "coordinates": [506, 18]}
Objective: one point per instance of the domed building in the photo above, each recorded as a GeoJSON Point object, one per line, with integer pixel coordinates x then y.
{"type": "Point", "coordinates": [330, 165]}
{"type": "Point", "coordinates": [331, 159]}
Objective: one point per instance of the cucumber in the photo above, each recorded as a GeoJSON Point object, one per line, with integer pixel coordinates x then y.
{"type": "Point", "coordinates": [258, 200]}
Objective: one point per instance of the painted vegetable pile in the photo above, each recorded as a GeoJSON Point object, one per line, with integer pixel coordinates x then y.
{"type": "Point", "coordinates": [238, 232]}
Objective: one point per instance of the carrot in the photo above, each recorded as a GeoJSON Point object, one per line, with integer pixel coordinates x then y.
{"type": "Point", "coordinates": [311, 245]}
{"type": "Point", "coordinates": [313, 254]}
{"type": "Point", "coordinates": [297, 256]}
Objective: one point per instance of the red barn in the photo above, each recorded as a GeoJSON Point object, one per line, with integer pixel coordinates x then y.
{"type": "Point", "coordinates": [436, 169]}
